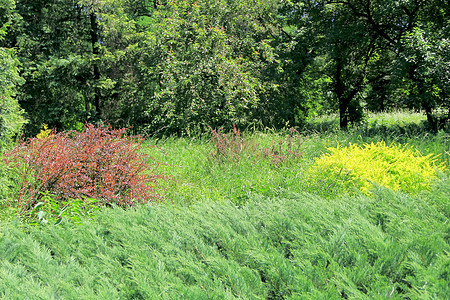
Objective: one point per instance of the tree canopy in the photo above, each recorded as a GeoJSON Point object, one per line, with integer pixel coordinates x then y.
{"type": "Point", "coordinates": [11, 115]}
{"type": "Point", "coordinates": [178, 67]}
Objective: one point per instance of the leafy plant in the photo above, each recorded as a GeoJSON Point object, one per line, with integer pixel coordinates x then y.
{"type": "Point", "coordinates": [99, 163]}
{"type": "Point", "coordinates": [45, 132]}
{"type": "Point", "coordinates": [11, 114]}
{"type": "Point", "coordinates": [52, 211]}
{"type": "Point", "coordinates": [285, 149]}
{"type": "Point", "coordinates": [230, 146]}
{"type": "Point", "coordinates": [361, 167]}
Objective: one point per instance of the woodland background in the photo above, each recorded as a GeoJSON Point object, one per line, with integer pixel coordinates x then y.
{"type": "Point", "coordinates": [178, 67]}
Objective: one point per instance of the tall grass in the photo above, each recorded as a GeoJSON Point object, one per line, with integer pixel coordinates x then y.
{"type": "Point", "coordinates": [255, 229]}
{"type": "Point", "coordinates": [199, 177]}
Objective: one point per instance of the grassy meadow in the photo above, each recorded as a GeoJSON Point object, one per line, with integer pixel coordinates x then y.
{"type": "Point", "coordinates": [246, 216]}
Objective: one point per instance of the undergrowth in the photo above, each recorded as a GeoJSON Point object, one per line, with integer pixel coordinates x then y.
{"type": "Point", "coordinates": [233, 146]}
{"type": "Point", "coordinates": [299, 246]}
{"type": "Point", "coordinates": [241, 224]}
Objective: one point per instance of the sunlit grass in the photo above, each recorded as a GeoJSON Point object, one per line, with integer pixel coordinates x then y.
{"type": "Point", "coordinates": [198, 177]}
{"type": "Point", "coordinates": [247, 229]}
{"type": "Point", "coordinates": [396, 118]}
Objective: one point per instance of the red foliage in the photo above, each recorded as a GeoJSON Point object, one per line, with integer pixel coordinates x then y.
{"type": "Point", "coordinates": [99, 163]}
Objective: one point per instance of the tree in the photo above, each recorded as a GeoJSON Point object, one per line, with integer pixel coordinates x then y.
{"type": "Point", "coordinates": [424, 67]}
{"type": "Point", "coordinates": [11, 115]}
{"type": "Point", "coordinates": [358, 42]}
{"type": "Point", "coordinates": [342, 48]}
{"type": "Point", "coordinates": [74, 60]}
{"type": "Point", "coordinates": [201, 66]}
{"type": "Point", "coordinates": [415, 34]}
{"type": "Point", "coordinates": [50, 40]}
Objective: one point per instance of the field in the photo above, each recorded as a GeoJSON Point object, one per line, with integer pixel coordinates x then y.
{"type": "Point", "coordinates": [246, 217]}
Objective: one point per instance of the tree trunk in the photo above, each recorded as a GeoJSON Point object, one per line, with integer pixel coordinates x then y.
{"type": "Point", "coordinates": [343, 114]}
{"type": "Point", "coordinates": [339, 90]}
{"type": "Point", "coordinates": [432, 120]}
{"type": "Point", "coordinates": [95, 52]}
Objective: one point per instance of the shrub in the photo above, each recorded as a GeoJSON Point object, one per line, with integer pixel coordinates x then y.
{"type": "Point", "coordinates": [45, 132]}
{"type": "Point", "coordinates": [99, 163]}
{"type": "Point", "coordinates": [361, 167]}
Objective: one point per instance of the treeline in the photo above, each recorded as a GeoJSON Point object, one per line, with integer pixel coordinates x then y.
{"type": "Point", "coordinates": [180, 66]}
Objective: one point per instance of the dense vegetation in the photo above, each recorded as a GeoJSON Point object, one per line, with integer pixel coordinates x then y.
{"type": "Point", "coordinates": [288, 246]}
{"type": "Point", "coordinates": [296, 149]}
{"type": "Point", "coordinates": [244, 218]}
{"type": "Point", "coordinates": [177, 67]}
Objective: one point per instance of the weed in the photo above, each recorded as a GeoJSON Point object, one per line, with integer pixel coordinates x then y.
{"type": "Point", "coordinates": [231, 146]}
{"type": "Point", "coordinates": [234, 146]}
{"type": "Point", "coordinates": [52, 211]}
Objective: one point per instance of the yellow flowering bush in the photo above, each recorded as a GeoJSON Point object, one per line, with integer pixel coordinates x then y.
{"type": "Point", "coordinates": [361, 167]}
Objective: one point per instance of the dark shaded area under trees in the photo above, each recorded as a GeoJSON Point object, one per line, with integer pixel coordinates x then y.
{"type": "Point", "coordinates": [178, 67]}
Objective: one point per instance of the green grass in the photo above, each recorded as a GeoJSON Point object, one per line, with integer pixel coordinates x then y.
{"type": "Point", "coordinates": [397, 119]}
{"type": "Point", "coordinates": [251, 229]}
{"type": "Point", "coordinates": [198, 177]}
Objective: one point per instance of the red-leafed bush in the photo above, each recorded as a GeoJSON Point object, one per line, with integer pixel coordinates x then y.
{"type": "Point", "coordinates": [99, 163]}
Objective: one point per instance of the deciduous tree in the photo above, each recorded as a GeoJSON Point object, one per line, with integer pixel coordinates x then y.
{"type": "Point", "coordinates": [11, 115]}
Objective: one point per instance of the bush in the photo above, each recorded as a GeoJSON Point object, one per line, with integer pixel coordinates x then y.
{"type": "Point", "coordinates": [99, 163]}
{"type": "Point", "coordinates": [11, 115]}
{"type": "Point", "coordinates": [299, 246]}
{"type": "Point", "coordinates": [361, 167]}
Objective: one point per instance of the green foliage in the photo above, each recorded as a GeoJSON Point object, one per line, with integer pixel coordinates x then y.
{"type": "Point", "coordinates": [11, 115]}
{"type": "Point", "coordinates": [424, 64]}
{"type": "Point", "coordinates": [370, 53]}
{"type": "Point", "coordinates": [203, 172]}
{"type": "Point", "coordinates": [73, 55]}
{"type": "Point", "coordinates": [49, 38]}
{"type": "Point", "coordinates": [54, 93]}
{"type": "Point", "coordinates": [180, 67]}
{"type": "Point", "coordinates": [362, 167]}
{"type": "Point", "coordinates": [200, 66]}
{"type": "Point", "coordinates": [249, 231]}
{"type": "Point", "coordinates": [298, 246]}
{"type": "Point", "coordinates": [234, 146]}
{"type": "Point", "coordinates": [52, 211]}
{"type": "Point", "coordinates": [6, 11]}
{"type": "Point", "coordinates": [337, 57]}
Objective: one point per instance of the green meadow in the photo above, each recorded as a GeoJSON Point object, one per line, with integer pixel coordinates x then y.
{"type": "Point", "coordinates": [316, 214]}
